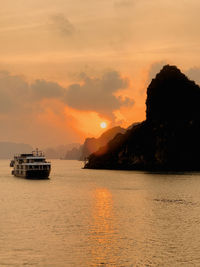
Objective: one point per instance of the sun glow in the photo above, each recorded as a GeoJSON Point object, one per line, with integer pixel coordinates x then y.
{"type": "Point", "coordinates": [103, 125]}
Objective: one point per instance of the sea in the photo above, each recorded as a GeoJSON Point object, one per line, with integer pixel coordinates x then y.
{"type": "Point", "coordinates": [101, 218]}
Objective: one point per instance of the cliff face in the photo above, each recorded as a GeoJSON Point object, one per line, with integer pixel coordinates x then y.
{"type": "Point", "coordinates": [169, 138]}
{"type": "Point", "coordinates": [172, 97]}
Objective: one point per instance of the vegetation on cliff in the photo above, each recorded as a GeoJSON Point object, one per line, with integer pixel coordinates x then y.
{"type": "Point", "coordinates": [169, 138]}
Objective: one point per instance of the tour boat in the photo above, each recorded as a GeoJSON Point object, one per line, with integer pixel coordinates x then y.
{"type": "Point", "coordinates": [31, 166]}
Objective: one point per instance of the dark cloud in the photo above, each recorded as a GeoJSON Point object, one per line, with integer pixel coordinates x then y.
{"type": "Point", "coordinates": [12, 84]}
{"type": "Point", "coordinates": [16, 94]}
{"type": "Point", "coordinates": [6, 103]}
{"type": "Point", "coordinates": [61, 24]}
{"type": "Point", "coordinates": [12, 89]}
{"type": "Point", "coordinates": [98, 94]}
{"type": "Point", "coordinates": [43, 89]}
{"type": "Point", "coordinates": [94, 94]}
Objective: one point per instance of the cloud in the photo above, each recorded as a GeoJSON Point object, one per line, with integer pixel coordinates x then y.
{"type": "Point", "coordinates": [97, 94]}
{"type": "Point", "coordinates": [45, 112]}
{"type": "Point", "coordinates": [91, 94]}
{"type": "Point", "coordinates": [12, 88]}
{"type": "Point", "coordinates": [154, 69]}
{"type": "Point", "coordinates": [44, 89]}
{"type": "Point", "coordinates": [17, 95]}
{"type": "Point", "coordinates": [61, 24]}
{"type": "Point", "coordinates": [194, 74]}
{"type": "Point", "coordinates": [124, 3]}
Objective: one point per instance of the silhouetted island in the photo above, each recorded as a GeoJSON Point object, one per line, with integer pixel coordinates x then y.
{"type": "Point", "coordinates": [93, 144]}
{"type": "Point", "coordinates": [169, 138]}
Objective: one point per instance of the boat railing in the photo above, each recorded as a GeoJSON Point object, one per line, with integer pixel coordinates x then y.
{"type": "Point", "coordinates": [38, 153]}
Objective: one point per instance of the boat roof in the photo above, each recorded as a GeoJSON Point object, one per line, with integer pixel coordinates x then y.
{"type": "Point", "coordinates": [37, 164]}
{"type": "Point", "coordinates": [29, 156]}
{"type": "Point", "coordinates": [26, 155]}
{"type": "Point", "coordinates": [35, 157]}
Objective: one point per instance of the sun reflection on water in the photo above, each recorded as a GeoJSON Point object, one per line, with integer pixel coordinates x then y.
{"type": "Point", "coordinates": [104, 243]}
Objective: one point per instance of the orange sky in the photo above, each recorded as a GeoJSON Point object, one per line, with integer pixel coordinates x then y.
{"type": "Point", "coordinates": [66, 66]}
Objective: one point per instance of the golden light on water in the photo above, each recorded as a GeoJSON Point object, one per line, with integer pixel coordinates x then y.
{"type": "Point", "coordinates": [103, 125]}
{"type": "Point", "coordinates": [103, 232]}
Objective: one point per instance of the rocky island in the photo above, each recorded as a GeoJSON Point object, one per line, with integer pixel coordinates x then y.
{"type": "Point", "coordinates": [93, 144]}
{"type": "Point", "coordinates": [169, 138]}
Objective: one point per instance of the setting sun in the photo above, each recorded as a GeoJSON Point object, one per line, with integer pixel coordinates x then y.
{"type": "Point", "coordinates": [103, 125]}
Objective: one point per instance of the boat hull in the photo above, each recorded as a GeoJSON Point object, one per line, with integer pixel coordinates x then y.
{"type": "Point", "coordinates": [34, 174]}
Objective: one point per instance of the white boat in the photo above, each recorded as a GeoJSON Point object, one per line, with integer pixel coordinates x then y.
{"type": "Point", "coordinates": [31, 166]}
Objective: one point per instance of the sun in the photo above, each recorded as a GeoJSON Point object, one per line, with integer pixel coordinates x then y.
{"type": "Point", "coordinates": [103, 125]}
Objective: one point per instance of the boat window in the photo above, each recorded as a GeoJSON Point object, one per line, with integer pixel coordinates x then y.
{"type": "Point", "coordinates": [39, 160]}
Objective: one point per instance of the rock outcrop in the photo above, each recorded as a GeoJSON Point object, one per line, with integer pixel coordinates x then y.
{"type": "Point", "coordinates": [169, 138]}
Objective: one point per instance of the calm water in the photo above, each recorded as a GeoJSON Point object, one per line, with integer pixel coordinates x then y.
{"type": "Point", "coordinates": [99, 218]}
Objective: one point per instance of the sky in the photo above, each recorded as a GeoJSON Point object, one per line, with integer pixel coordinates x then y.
{"type": "Point", "coordinates": [66, 66]}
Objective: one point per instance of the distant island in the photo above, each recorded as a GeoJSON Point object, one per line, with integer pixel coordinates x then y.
{"type": "Point", "coordinates": [169, 138]}
{"type": "Point", "coordinates": [59, 152]}
{"type": "Point", "coordinates": [93, 144]}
